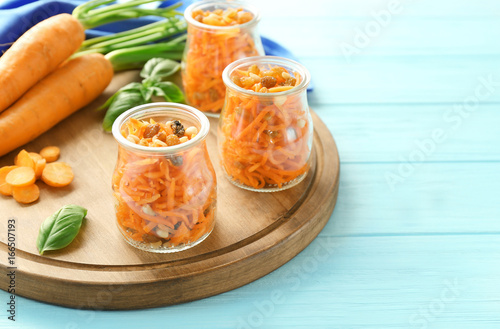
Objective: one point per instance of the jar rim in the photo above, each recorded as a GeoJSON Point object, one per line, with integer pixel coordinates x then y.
{"type": "Point", "coordinates": [169, 108]}
{"type": "Point", "coordinates": [235, 4]}
{"type": "Point", "coordinates": [267, 60]}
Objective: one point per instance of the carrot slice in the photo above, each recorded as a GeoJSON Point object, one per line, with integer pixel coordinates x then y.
{"type": "Point", "coordinates": [21, 176]}
{"type": "Point", "coordinates": [50, 153]}
{"type": "Point", "coordinates": [26, 194]}
{"type": "Point", "coordinates": [35, 156]}
{"type": "Point", "coordinates": [39, 167]}
{"type": "Point", "coordinates": [5, 188]}
{"type": "Point", "coordinates": [57, 174]}
{"type": "Point", "coordinates": [23, 159]}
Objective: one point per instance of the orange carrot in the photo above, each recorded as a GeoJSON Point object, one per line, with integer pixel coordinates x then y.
{"type": "Point", "coordinates": [35, 156]}
{"type": "Point", "coordinates": [210, 51]}
{"type": "Point", "coordinates": [39, 167]}
{"type": "Point", "coordinates": [57, 174]}
{"type": "Point", "coordinates": [36, 53]}
{"type": "Point", "coordinates": [55, 97]}
{"type": "Point", "coordinates": [20, 176]}
{"type": "Point", "coordinates": [23, 159]}
{"type": "Point", "coordinates": [26, 194]}
{"type": "Point", "coordinates": [39, 162]}
{"type": "Point", "coordinates": [50, 153]}
{"type": "Point", "coordinates": [5, 188]}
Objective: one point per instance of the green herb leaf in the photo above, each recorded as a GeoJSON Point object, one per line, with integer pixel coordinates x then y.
{"type": "Point", "coordinates": [130, 86]}
{"type": "Point", "coordinates": [58, 230]}
{"type": "Point", "coordinates": [159, 68]}
{"type": "Point", "coordinates": [124, 101]}
{"type": "Point", "coordinates": [146, 93]}
{"type": "Point", "coordinates": [171, 91]}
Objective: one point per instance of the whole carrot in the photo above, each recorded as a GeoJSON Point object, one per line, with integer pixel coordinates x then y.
{"type": "Point", "coordinates": [36, 53]}
{"type": "Point", "coordinates": [49, 43]}
{"type": "Point", "coordinates": [64, 91]}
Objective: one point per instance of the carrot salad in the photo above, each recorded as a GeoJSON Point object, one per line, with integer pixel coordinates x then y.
{"type": "Point", "coordinates": [163, 199]}
{"type": "Point", "coordinates": [265, 141]}
{"type": "Point", "coordinates": [209, 51]}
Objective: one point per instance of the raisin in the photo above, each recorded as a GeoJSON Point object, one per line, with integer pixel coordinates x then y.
{"type": "Point", "coordinates": [272, 133]}
{"type": "Point", "coordinates": [278, 71]}
{"type": "Point", "coordinates": [206, 211]}
{"type": "Point", "coordinates": [172, 140]}
{"type": "Point", "coordinates": [175, 160]}
{"type": "Point", "coordinates": [162, 136]}
{"type": "Point", "coordinates": [151, 130]}
{"type": "Point", "coordinates": [177, 128]}
{"type": "Point", "coordinates": [290, 81]}
{"type": "Point", "coordinates": [268, 82]}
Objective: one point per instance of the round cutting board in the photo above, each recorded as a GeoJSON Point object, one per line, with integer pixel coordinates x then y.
{"type": "Point", "coordinates": [255, 233]}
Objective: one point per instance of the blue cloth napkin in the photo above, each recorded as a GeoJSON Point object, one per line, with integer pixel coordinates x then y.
{"type": "Point", "coordinates": [17, 16]}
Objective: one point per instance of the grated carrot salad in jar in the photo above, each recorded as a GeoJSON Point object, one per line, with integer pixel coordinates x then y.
{"type": "Point", "coordinates": [164, 200]}
{"type": "Point", "coordinates": [265, 130]}
{"type": "Point", "coordinates": [218, 34]}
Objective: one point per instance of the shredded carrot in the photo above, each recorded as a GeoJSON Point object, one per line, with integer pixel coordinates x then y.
{"type": "Point", "coordinates": [164, 200]}
{"type": "Point", "coordinates": [265, 142]}
{"type": "Point", "coordinates": [210, 51]}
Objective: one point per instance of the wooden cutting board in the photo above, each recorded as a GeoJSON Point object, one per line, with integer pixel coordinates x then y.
{"type": "Point", "coordinates": [255, 233]}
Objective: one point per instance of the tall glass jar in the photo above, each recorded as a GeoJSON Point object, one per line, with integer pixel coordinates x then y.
{"type": "Point", "coordinates": [209, 49]}
{"type": "Point", "coordinates": [265, 138]}
{"type": "Point", "coordinates": [165, 196]}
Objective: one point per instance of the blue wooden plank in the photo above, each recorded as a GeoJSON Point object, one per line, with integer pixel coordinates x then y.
{"type": "Point", "coordinates": [436, 198]}
{"type": "Point", "coordinates": [405, 79]}
{"type": "Point", "coordinates": [398, 133]}
{"type": "Point", "coordinates": [364, 282]}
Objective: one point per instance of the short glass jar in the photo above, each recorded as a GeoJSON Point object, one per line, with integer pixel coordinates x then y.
{"type": "Point", "coordinates": [209, 49]}
{"type": "Point", "coordinates": [165, 196]}
{"type": "Point", "coordinates": [265, 138]}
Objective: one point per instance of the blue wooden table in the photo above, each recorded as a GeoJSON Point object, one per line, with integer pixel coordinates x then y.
{"type": "Point", "coordinates": [411, 92]}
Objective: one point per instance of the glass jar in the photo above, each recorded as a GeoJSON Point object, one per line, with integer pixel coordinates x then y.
{"type": "Point", "coordinates": [209, 49]}
{"type": "Point", "coordinates": [265, 138]}
{"type": "Point", "coordinates": [165, 196]}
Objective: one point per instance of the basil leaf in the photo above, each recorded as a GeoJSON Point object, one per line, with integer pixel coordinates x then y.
{"type": "Point", "coordinates": [58, 230]}
{"type": "Point", "coordinates": [159, 68]}
{"type": "Point", "coordinates": [171, 91]}
{"type": "Point", "coordinates": [146, 93]}
{"type": "Point", "coordinates": [122, 102]}
{"type": "Point", "coordinates": [158, 92]}
{"type": "Point", "coordinates": [130, 86]}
